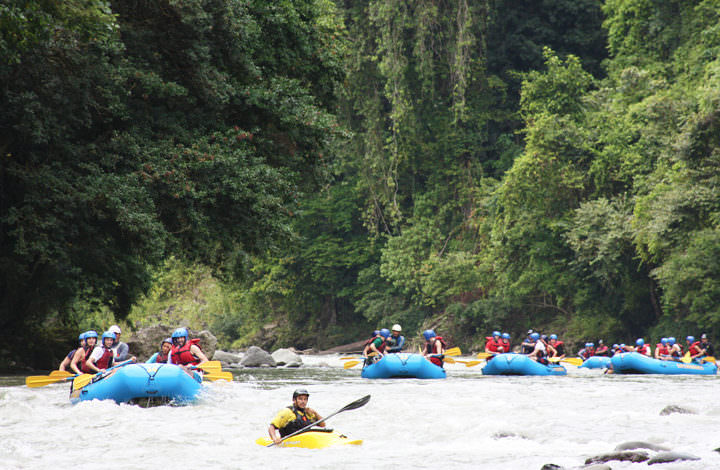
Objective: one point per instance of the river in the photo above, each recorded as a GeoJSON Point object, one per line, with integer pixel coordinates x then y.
{"type": "Point", "coordinates": [467, 421]}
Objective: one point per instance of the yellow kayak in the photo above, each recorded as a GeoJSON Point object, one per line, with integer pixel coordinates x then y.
{"type": "Point", "coordinates": [313, 440]}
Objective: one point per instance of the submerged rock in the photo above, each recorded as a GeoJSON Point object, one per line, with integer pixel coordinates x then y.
{"type": "Point", "coordinates": [670, 409]}
{"type": "Point", "coordinates": [551, 466]}
{"type": "Point", "coordinates": [665, 457]}
{"type": "Point", "coordinates": [625, 456]}
{"type": "Point", "coordinates": [256, 357]}
{"type": "Point", "coordinates": [640, 445]}
{"type": "Point", "coordinates": [506, 434]}
{"type": "Point", "coordinates": [600, 466]}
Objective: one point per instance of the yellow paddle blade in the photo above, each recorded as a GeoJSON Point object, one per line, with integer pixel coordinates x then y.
{"type": "Point", "coordinates": [348, 358]}
{"type": "Point", "coordinates": [453, 352]}
{"type": "Point", "coordinates": [35, 381]}
{"type": "Point", "coordinates": [709, 359]}
{"type": "Point", "coordinates": [484, 355]}
{"type": "Point", "coordinates": [219, 376]}
{"type": "Point", "coordinates": [450, 360]}
{"type": "Point", "coordinates": [576, 361]}
{"type": "Point", "coordinates": [473, 363]}
{"type": "Point", "coordinates": [350, 364]}
{"type": "Point", "coordinates": [686, 358]}
{"type": "Point", "coordinates": [61, 373]}
{"type": "Point", "coordinates": [81, 380]}
{"type": "Point", "coordinates": [211, 366]}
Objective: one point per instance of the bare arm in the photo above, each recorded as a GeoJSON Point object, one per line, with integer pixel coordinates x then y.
{"type": "Point", "coordinates": [199, 354]}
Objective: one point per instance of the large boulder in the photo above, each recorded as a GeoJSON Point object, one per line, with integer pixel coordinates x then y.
{"type": "Point", "coordinates": [287, 358]}
{"type": "Point", "coordinates": [226, 358]}
{"type": "Point", "coordinates": [145, 342]}
{"type": "Point", "coordinates": [256, 357]}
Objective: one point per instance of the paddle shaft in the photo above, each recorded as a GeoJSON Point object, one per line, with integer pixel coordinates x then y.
{"type": "Point", "coordinates": [354, 405]}
{"type": "Point", "coordinates": [82, 380]}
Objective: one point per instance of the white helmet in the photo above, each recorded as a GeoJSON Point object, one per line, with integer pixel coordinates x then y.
{"type": "Point", "coordinates": [115, 329]}
{"type": "Point", "coordinates": [396, 327]}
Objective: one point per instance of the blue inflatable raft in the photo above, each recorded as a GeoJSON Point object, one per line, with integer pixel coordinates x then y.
{"type": "Point", "coordinates": [596, 362]}
{"type": "Point", "coordinates": [520, 364]}
{"type": "Point", "coordinates": [403, 365]}
{"type": "Point", "coordinates": [143, 384]}
{"type": "Point", "coordinates": [634, 363]}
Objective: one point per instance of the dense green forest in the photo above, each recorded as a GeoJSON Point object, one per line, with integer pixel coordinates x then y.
{"type": "Point", "coordinates": [311, 169]}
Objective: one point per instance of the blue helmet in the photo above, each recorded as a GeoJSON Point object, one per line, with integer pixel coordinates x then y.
{"type": "Point", "coordinates": [180, 332]}
{"type": "Point", "coordinates": [640, 342]}
{"type": "Point", "coordinates": [615, 346]}
{"type": "Point", "coordinates": [588, 345]}
{"type": "Point", "coordinates": [690, 339]}
{"type": "Point", "coordinates": [496, 333]}
{"type": "Point", "coordinates": [506, 335]}
{"type": "Point", "coordinates": [166, 340]}
{"type": "Point", "coordinates": [384, 332]}
{"type": "Point", "coordinates": [534, 336]}
{"type": "Point", "coordinates": [592, 345]}
{"type": "Point", "coordinates": [375, 333]}
{"type": "Point", "coordinates": [671, 340]}
{"type": "Point", "coordinates": [553, 336]}
{"type": "Point", "coordinates": [664, 341]}
{"type": "Point", "coordinates": [81, 337]}
{"type": "Point", "coordinates": [108, 334]}
{"type": "Point", "coordinates": [429, 334]}
{"type": "Point", "coordinates": [91, 334]}
{"type": "Point", "coordinates": [622, 345]}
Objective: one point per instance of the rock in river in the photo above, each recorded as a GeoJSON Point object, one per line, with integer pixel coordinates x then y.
{"type": "Point", "coordinates": [628, 455]}
{"type": "Point", "coordinates": [665, 457]}
{"type": "Point", "coordinates": [256, 357]}
{"type": "Point", "coordinates": [639, 445]}
{"type": "Point", "coordinates": [287, 358]}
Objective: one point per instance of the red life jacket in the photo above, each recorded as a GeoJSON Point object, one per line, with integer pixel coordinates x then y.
{"type": "Point", "coordinates": [506, 346]}
{"type": "Point", "coordinates": [695, 348]}
{"type": "Point", "coordinates": [83, 366]}
{"type": "Point", "coordinates": [104, 362]}
{"type": "Point", "coordinates": [558, 346]}
{"type": "Point", "coordinates": [161, 358]}
{"type": "Point", "coordinates": [490, 344]}
{"type": "Point", "coordinates": [380, 348]}
{"type": "Point", "coordinates": [183, 356]}
{"type": "Point", "coordinates": [642, 350]}
{"type": "Point", "coordinates": [662, 349]}
{"type": "Point", "coordinates": [677, 353]}
{"type": "Point", "coordinates": [430, 347]}
{"type": "Point", "coordinates": [602, 350]}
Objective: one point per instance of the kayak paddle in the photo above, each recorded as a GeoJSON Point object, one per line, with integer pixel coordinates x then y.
{"type": "Point", "coordinates": [351, 406]}
{"type": "Point", "coordinates": [35, 381]}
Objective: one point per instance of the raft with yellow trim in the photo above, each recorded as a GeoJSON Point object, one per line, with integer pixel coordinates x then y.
{"type": "Point", "coordinates": [635, 363]}
{"type": "Point", "coordinates": [315, 439]}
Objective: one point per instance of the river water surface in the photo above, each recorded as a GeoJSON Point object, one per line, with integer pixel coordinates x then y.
{"type": "Point", "coordinates": [467, 421]}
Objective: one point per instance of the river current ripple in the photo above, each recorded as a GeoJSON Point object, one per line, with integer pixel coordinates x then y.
{"type": "Point", "coordinates": [467, 421]}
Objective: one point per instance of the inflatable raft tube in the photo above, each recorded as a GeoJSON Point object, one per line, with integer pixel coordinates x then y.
{"type": "Point", "coordinates": [159, 383]}
{"type": "Point", "coordinates": [596, 362]}
{"type": "Point", "coordinates": [403, 365]}
{"type": "Point", "coordinates": [520, 364]}
{"type": "Point", "coordinates": [635, 363]}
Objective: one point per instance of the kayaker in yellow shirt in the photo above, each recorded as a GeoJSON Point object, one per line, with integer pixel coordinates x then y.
{"type": "Point", "coordinates": [293, 418]}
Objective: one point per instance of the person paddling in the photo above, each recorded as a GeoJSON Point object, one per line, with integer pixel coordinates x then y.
{"type": "Point", "coordinates": [293, 418]}
{"type": "Point", "coordinates": [662, 351]}
{"type": "Point", "coordinates": [706, 345]}
{"type": "Point", "coordinates": [558, 346]}
{"type": "Point", "coordinates": [694, 348]}
{"type": "Point", "coordinates": [375, 348]}
{"type": "Point", "coordinates": [163, 356]}
{"type": "Point", "coordinates": [539, 353]}
{"type": "Point", "coordinates": [396, 341]}
{"type": "Point", "coordinates": [83, 354]}
{"type": "Point", "coordinates": [676, 352]}
{"type": "Point", "coordinates": [186, 351]}
{"type": "Point", "coordinates": [494, 345]}
{"type": "Point", "coordinates": [65, 364]}
{"type": "Point", "coordinates": [434, 347]}
{"type": "Point", "coordinates": [102, 356]}
{"type": "Point", "coordinates": [602, 349]}
{"type": "Point", "coordinates": [642, 348]}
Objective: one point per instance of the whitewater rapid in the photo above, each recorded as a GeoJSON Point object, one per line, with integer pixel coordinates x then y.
{"type": "Point", "coordinates": [468, 421]}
